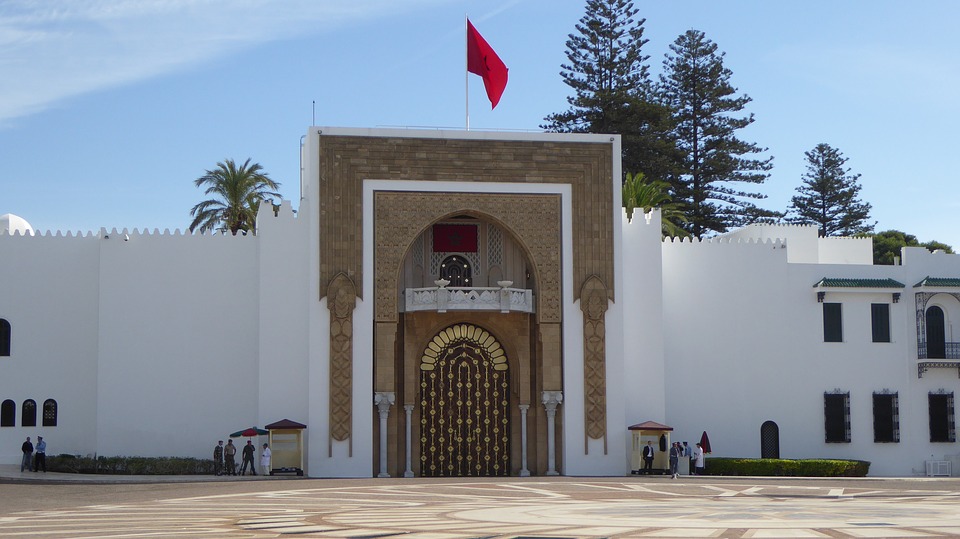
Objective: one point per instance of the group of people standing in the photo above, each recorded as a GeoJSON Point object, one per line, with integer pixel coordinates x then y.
{"type": "Point", "coordinates": [677, 451]}
{"type": "Point", "coordinates": [224, 456]}
{"type": "Point", "coordinates": [34, 458]}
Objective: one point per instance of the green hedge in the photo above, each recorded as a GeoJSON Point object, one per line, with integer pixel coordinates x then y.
{"type": "Point", "coordinates": [130, 465]}
{"type": "Point", "coordinates": [786, 467]}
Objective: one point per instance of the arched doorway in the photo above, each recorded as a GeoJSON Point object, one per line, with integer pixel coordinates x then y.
{"type": "Point", "coordinates": [936, 336]}
{"type": "Point", "coordinates": [769, 440]}
{"type": "Point", "coordinates": [464, 405]}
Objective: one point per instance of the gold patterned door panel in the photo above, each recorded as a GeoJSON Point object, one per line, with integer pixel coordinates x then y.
{"type": "Point", "coordinates": [464, 405]}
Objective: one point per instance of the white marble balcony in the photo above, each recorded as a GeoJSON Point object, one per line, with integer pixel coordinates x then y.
{"type": "Point", "coordinates": [461, 298]}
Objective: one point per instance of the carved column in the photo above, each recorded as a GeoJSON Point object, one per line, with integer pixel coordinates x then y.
{"type": "Point", "coordinates": [384, 400]}
{"type": "Point", "coordinates": [593, 304]}
{"type": "Point", "coordinates": [524, 472]}
{"type": "Point", "coordinates": [551, 399]}
{"type": "Point", "coordinates": [408, 470]}
{"type": "Point", "coordinates": [341, 300]}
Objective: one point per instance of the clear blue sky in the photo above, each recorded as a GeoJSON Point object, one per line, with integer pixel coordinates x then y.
{"type": "Point", "coordinates": [110, 109]}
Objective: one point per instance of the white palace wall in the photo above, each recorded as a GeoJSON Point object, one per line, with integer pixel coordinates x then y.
{"type": "Point", "coordinates": [641, 302]}
{"type": "Point", "coordinates": [744, 345]}
{"type": "Point", "coordinates": [720, 302]}
{"type": "Point", "coordinates": [178, 341]}
{"type": "Point", "coordinates": [151, 343]}
{"type": "Point", "coordinates": [49, 288]}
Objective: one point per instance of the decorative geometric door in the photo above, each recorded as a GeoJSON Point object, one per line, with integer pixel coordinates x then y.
{"type": "Point", "coordinates": [769, 440]}
{"type": "Point", "coordinates": [464, 405]}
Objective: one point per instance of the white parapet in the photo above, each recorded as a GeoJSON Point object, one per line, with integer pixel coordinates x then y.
{"type": "Point", "coordinates": [443, 299]}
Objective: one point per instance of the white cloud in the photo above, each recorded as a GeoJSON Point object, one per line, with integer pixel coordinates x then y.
{"type": "Point", "coordinates": [51, 50]}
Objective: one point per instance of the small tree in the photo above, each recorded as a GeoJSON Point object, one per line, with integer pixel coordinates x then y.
{"type": "Point", "coordinates": [887, 245]}
{"type": "Point", "coordinates": [238, 192]}
{"type": "Point", "coordinates": [639, 194]}
{"type": "Point", "coordinates": [829, 196]}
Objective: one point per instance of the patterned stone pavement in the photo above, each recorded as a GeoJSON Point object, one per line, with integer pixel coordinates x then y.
{"type": "Point", "coordinates": [514, 508]}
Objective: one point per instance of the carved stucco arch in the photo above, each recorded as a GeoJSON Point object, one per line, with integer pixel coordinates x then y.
{"type": "Point", "coordinates": [471, 212]}
{"type": "Point", "coordinates": [534, 220]}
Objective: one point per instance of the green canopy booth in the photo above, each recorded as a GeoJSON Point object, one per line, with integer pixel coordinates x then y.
{"type": "Point", "coordinates": [286, 447]}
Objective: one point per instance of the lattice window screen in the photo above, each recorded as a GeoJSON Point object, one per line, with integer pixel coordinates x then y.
{"type": "Point", "coordinates": [494, 246]}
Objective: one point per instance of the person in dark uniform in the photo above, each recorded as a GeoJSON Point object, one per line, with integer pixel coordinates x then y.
{"type": "Point", "coordinates": [218, 458]}
{"type": "Point", "coordinates": [675, 451]}
{"type": "Point", "coordinates": [648, 453]}
{"type": "Point", "coordinates": [248, 453]}
{"type": "Point", "coordinates": [26, 462]}
{"type": "Point", "coordinates": [40, 457]}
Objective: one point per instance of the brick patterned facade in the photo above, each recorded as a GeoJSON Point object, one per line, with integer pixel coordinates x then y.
{"type": "Point", "coordinates": [534, 220]}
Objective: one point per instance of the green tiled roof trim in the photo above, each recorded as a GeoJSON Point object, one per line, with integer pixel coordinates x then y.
{"type": "Point", "coordinates": [859, 283]}
{"type": "Point", "coordinates": [939, 281]}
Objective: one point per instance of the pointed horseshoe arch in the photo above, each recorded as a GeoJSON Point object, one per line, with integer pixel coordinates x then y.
{"type": "Point", "coordinates": [464, 405]}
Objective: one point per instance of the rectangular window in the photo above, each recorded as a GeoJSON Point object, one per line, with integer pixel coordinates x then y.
{"type": "Point", "coordinates": [880, 317]}
{"type": "Point", "coordinates": [886, 418]}
{"type": "Point", "coordinates": [836, 412]}
{"type": "Point", "coordinates": [832, 323]}
{"type": "Point", "coordinates": [941, 418]}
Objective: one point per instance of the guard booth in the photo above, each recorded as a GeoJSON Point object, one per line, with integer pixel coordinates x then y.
{"type": "Point", "coordinates": [650, 431]}
{"type": "Point", "coordinates": [286, 446]}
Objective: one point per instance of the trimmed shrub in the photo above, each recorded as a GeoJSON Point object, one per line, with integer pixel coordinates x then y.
{"type": "Point", "coordinates": [786, 467]}
{"type": "Point", "coordinates": [130, 465]}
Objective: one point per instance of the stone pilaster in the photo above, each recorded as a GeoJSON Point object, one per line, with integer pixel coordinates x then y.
{"type": "Point", "coordinates": [384, 400]}
{"type": "Point", "coordinates": [551, 400]}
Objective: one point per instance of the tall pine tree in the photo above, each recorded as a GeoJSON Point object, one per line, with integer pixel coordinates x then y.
{"type": "Point", "coordinates": [696, 86]}
{"type": "Point", "coordinates": [613, 92]}
{"type": "Point", "coordinates": [829, 196]}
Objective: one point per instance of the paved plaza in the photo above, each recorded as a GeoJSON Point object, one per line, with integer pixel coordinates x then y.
{"type": "Point", "coordinates": [487, 508]}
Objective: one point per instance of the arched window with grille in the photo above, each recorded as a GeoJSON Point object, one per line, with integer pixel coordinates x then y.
{"type": "Point", "coordinates": [49, 413]}
{"type": "Point", "coordinates": [769, 440]}
{"type": "Point", "coordinates": [8, 414]}
{"type": "Point", "coordinates": [4, 337]}
{"type": "Point", "coordinates": [457, 270]}
{"type": "Point", "coordinates": [28, 415]}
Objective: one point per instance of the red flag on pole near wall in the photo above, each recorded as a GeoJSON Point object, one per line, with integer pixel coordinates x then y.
{"type": "Point", "coordinates": [483, 61]}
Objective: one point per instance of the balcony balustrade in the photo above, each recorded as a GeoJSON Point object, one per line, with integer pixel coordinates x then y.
{"type": "Point", "coordinates": [463, 298]}
{"type": "Point", "coordinates": [951, 350]}
{"type": "Point", "coordinates": [949, 359]}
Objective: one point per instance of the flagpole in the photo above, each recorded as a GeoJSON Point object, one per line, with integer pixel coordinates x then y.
{"type": "Point", "coordinates": [466, 72]}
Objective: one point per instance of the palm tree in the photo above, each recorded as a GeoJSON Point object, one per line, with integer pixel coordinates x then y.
{"type": "Point", "coordinates": [238, 192]}
{"type": "Point", "coordinates": [638, 193]}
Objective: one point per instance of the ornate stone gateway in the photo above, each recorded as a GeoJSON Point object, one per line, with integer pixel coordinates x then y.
{"type": "Point", "coordinates": [464, 405]}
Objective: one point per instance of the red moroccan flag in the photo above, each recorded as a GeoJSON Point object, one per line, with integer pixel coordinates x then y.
{"type": "Point", "coordinates": [483, 61]}
{"type": "Point", "coordinates": [454, 238]}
